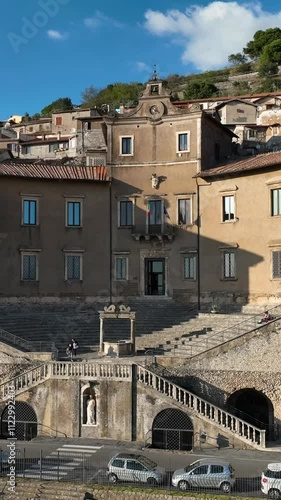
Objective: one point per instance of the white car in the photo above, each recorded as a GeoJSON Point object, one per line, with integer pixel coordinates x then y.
{"type": "Point", "coordinates": [135, 468]}
{"type": "Point", "coordinates": [271, 481]}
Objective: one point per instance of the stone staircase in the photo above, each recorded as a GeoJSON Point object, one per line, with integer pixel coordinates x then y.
{"type": "Point", "coordinates": [224, 421]}
{"type": "Point", "coordinates": [162, 325]}
{"type": "Point", "coordinates": [245, 432]}
{"type": "Point", "coordinates": [58, 323]}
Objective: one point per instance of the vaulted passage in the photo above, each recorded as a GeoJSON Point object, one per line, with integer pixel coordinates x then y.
{"type": "Point", "coordinates": [253, 407]}
{"type": "Point", "coordinates": [172, 430]}
{"type": "Point", "coordinates": [24, 425]}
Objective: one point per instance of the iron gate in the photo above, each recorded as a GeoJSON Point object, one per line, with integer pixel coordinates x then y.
{"type": "Point", "coordinates": [172, 430]}
{"type": "Point", "coordinates": [25, 422]}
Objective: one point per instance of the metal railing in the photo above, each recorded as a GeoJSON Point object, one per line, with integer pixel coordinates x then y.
{"type": "Point", "coordinates": [238, 427]}
{"type": "Point", "coordinates": [228, 334]}
{"type": "Point", "coordinates": [34, 346]}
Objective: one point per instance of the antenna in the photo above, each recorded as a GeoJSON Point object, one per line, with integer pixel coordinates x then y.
{"type": "Point", "coordinates": [155, 75]}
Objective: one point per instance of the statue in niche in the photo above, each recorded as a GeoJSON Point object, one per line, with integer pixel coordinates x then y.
{"type": "Point", "coordinates": [91, 411]}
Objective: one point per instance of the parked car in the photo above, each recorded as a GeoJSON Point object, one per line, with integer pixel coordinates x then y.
{"type": "Point", "coordinates": [135, 468]}
{"type": "Point", "coordinates": [271, 481]}
{"type": "Point", "coordinates": [205, 473]}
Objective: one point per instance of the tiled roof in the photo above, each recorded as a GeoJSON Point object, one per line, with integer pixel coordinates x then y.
{"type": "Point", "coordinates": [257, 162]}
{"type": "Point", "coordinates": [45, 141]}
{"type": "Point", "coordinates": [59, 172]}
{"type": "Point", "coordinates": [32, 122]}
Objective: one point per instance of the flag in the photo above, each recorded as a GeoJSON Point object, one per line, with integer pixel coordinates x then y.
{"type": "Point", "coordinates": [166, 213]}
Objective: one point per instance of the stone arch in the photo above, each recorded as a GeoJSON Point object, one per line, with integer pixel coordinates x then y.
{"type": "Point", "coordinates": [172, 429]}
{"type": "Point", "coordinates": [254, 407]}
{"type": "Point", "coordinates": [26, 425]}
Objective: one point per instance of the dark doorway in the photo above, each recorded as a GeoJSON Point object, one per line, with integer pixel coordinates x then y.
{"type": "Point", "coordinates": [25, 422]}
{"type": "Point", "coordinates": [172, 430]}
{"type": "Point", "coordinates": [253, 407]}
{"type": "Point", "coordinates": [155, 276]}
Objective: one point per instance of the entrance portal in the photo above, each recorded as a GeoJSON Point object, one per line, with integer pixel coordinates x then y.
{"type": "Point", "coordinates": [253, 407]}
{"type": "Point", "coordinates": [155, 276]}
{"type": "Point", "coordinates": [25, 422]}
{"type": "Point", "coordinates": [172, 430]}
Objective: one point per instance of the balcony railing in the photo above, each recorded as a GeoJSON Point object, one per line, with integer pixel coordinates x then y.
{"type": "Point", "coordinates": [150, 232]}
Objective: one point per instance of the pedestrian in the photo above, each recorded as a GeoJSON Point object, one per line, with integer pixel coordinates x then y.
{"type": "Point", "coordinates": [75, 346]}
{"type": "Point", "coordinates": [69, 351]}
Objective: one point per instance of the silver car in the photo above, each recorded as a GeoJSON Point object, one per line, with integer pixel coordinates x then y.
{"type": "Point", "coordinates": [135, 468]}
{"type": "Point", "coordinates": [205, 473]}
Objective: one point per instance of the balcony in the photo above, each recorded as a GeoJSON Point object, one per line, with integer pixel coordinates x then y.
{"type": "Point", "coordinates": [160, 232]}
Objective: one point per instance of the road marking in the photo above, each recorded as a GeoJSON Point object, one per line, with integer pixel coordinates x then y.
{"type": "Point", "coordinates": [56, 469]}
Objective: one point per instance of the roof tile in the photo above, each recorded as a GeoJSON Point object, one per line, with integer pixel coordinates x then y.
{"type": "Point", "coordinates": [55, 172]}
{"type": "Point", "coordinates": [257, 162]}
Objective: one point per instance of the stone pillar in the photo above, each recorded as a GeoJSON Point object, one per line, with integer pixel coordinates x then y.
{"type": "Point", "coordinates": [133, 335]}
{"type": "Point", "coordinates": [101, 334]}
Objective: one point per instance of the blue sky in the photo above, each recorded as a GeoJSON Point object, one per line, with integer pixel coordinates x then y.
{"type": "Point", "coordinates": [58, 48]}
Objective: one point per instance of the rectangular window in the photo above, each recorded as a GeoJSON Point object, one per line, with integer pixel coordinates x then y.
{"type": "Point", "coordinates": [229, 265]}
{"type": "Point", "coordinates": [126, 145]}
{"type": "Point", "coordinates": [73, 213]}
{"type": "Point", "coordinates": [189, 262]}
{"type": "Point", "coordinates": [26, 150]}
{"type": "Point", "coordinates": [276, 202]}
{"type": "Point", "coordinates": [121, 268]}
{"type": "Point", "coordinates": [155, 212]}
{"type": "Point", "coordinates": [182, 142]}
{"type": "Point", "coordinates": [276, 264]}
{"type": "Point", "coordinates": [184, 211]}
{"type": "Point", "coordinates": [58, 120]}
{"type": "Point", "coordinates": [228, 208]}
{"type": "Point", "coordinates": [29, 216]}
{"type": "Point", "coordinates": [125, 213]}
{"type": "Point", "coordinates": [73, 267]}
{"type": "Point", "coordinates": [29, 267]}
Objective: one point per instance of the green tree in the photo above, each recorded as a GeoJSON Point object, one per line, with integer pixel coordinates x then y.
{"type": "Point", "coordinates": [61, 104]}
{"type": "Point", "coordinates": [237, 59]}
{"type": "Point", "coordinates": [89, 96]}
{"type": "Point", "coordinates": [113, 95]}
{"type": "Point", "coordinates": [269, 85]}
{"type": "Point", "coordinates": [255, 47]}
{"type": "Point", "coordinates": [199, 89]}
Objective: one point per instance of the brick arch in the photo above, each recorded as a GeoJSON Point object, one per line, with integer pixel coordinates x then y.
{"type": "Point", "coordinates": [254, 407]}
{"type": "Point", "coordinates": [25, 421]}
{"type": "Point", "coordinates": [172, 429]}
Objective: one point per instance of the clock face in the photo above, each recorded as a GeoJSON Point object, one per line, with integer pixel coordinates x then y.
{"type": "Point", "coordinates": [154, 110]}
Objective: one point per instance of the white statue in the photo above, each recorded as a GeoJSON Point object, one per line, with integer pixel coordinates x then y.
{"type": "Point", "coordinates": [91, 408]}
{"type": "Point", "coordinates": [154, 181]}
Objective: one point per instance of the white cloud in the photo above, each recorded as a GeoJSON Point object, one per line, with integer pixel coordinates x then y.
{"type": "Point", "coordinates": [56, 35]}
{"type": "Point", "coordinates": [100, 19]}
{"type": "Point", "coordinates": [141, 66]}
{"type": "Point", "coordinates": [210, 34]}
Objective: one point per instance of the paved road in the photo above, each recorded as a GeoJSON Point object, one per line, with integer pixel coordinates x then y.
{"type": "Point", "coordinates": [86, 460]}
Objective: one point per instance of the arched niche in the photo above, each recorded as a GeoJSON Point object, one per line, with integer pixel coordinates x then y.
{"type": "Point", "coordinates": [89, 391]}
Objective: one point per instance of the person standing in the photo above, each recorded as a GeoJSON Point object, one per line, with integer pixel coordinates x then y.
{"type": "Point", "coordinates": [69, 351]}
{"type": "Point", "coordinates": [75, 346]}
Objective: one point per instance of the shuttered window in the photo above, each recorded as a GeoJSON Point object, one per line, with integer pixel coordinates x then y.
{"type": "Point", "coordinates": [276, 264]}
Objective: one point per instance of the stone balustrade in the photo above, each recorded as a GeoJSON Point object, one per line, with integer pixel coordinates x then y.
{"type": "Point", "coordinates": [60, 370]}
{"type": "Point", "coordinates": [246, 431]}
